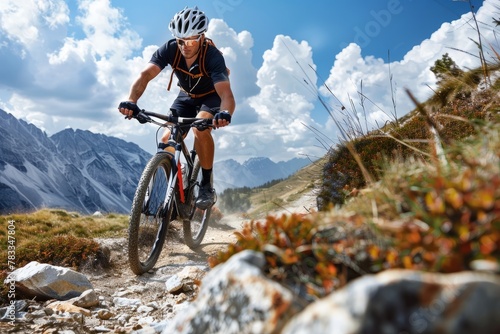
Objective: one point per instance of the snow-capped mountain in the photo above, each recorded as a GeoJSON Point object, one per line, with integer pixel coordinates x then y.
{"type": "Point", "coordinates": [253, 172]}
{"type": "Point", "coordinates": [73, 170]}
{"type": "Point", "coordinates": [82, 171]}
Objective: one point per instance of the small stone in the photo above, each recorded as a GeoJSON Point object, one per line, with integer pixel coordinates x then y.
{"type": "Point", "coordinates": [126, 302]}
{"type": "Point", "coordinates": [39, 314]}
{"type": "Point", "coordinates": [154, 305]}
{"type": "Point", "coordinates": [123, 319]}
{"type": "Point", "coordinates": [138, 288]}
{"type": "Point", "coordinates": [145, 321]}
{"type": "Point", "coordinates": [173, 284]}
{"type": "Point", "coordinates": [68, 307]}
{"type": "Point", "coordinates": [145, 309]}
{"type": "Point", "coordinates": [87, 299]}
{"type": "Point", "coordinates": [121, 293]}
{"type": "Point", "coordinates": [48, 311]}
{"type": "Point", "coordinates": [181, 298]}
{"type": "Point", "coordinates": [104, 314]}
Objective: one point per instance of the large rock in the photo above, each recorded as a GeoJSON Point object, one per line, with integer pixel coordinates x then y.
{"type": "Point", "coordinates": [400, 301]}
{"type": "Point", "coordinates": [236, 298]}
{"type": "Point", "coordinates": [45, 281]}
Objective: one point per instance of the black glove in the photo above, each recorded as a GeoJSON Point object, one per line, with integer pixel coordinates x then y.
{"type": "Point", "coordinates": [223, 115]}
{"type": "Point", "coordinates": [130, 106]}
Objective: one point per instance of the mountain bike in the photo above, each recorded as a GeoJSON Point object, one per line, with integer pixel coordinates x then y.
{"type": "Point", "coordinates": [167, 190]}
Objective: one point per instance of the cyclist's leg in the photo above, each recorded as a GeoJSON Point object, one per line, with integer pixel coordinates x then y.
{"type": "Point", "coordinates": [204, 143]}
{"type": "Point", "coordinates": [205, 147]}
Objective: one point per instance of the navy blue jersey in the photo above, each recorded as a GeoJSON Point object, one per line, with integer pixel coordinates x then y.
{"type": "Point", "coordinates": [215, 66]}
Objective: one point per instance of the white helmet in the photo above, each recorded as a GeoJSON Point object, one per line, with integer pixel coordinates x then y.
{"type": "Point", "coordinates": [188, 22]}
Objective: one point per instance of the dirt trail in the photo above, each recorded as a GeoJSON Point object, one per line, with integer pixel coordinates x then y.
{"type": "Point", "coordinates": [176, 255]}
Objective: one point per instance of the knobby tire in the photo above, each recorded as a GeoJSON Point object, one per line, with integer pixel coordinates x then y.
{"type": "Point", "coordinates": [148, 223]}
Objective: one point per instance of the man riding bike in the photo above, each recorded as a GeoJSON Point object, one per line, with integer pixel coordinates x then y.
{"type": "Point", "coordinates": [205, 90]}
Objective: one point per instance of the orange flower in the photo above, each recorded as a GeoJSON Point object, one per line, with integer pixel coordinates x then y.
{"type": "Point", "coordinates": [488, 244]}
{"type": "Point", "coordinates": [407, 263]}
{"type": "Point", "coordinates": [434, 203]}
{"type": "Point", "coordinates": [453, 197]}
{"type": "Point", "coordinates": [392, 257]}
{"type": "Point", "coordinates": [374, 252]}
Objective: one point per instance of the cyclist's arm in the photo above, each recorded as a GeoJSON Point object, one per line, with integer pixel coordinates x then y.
{"type": "Point", "coordinates": [223, 88]}
{"type": "Point", "coordinates": [139, 86]}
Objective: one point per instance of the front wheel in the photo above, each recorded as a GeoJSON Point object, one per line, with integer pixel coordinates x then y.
{"type": "Point", "coordinates": [195, 226]}
{"type": "Point", "coordinates": [149, 219]}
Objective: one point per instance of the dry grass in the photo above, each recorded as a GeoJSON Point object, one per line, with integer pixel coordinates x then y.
{"type": "Point", "coordinates": [54, 236]}
{"type": "Point", "coordinates": [47, 223]}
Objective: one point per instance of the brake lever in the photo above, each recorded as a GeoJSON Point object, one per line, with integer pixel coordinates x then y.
{"type": "Point", "coordinates": [142, 118]}
{"type": "Point", "coordinates": [202, 124]}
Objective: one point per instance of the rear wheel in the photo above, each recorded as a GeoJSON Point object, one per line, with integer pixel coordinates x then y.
{"type": "Point", "coordinates": [196, 224]}
{"type": "Point", "coordinates": [149, 221]}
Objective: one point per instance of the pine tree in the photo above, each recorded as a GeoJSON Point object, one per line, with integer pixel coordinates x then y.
{"type": "Point", "coordinates": [445, 67]}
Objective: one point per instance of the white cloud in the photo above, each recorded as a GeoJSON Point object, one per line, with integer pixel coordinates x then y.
{"type": "Point", "coordinates": [237, 51]}
{"type": "Point", "coordinates": [32, 24]}
{"type": "Point", "coordinates": [366, 82]}
{"type": "Point", "coordinates": [62, 81]}
{"type": "Point", "coordinates": [285, 100]}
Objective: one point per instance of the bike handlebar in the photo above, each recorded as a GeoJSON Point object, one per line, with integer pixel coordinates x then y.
{"type": "Point", "coordinates": [200, 123]}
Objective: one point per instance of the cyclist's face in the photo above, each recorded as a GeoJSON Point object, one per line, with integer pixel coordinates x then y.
{"type": "Point", "coordinates": [189, 46]}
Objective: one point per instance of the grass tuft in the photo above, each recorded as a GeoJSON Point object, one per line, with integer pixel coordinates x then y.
{"type": "Point", "coordinates": [56, 237]}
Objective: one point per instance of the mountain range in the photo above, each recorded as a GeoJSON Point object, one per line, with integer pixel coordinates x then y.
{"type": "Point", "coordinates": [81, 171]}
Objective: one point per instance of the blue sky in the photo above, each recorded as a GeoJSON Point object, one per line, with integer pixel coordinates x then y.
{"type": "Point", "coordinates": [378, 26]}
{"type": "Point", "coordinates": [69, 63]}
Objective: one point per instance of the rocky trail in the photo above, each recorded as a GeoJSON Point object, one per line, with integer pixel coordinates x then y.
{"type": "Point", "coordinates": [122, 302]}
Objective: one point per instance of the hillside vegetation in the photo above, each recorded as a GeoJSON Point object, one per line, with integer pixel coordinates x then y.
{"type": "Point", "coordinates": [57, 237]}
{"type": "Point", "coordinates": [456, 111]}
{"type": "Point", "coordinates": [422, 192]}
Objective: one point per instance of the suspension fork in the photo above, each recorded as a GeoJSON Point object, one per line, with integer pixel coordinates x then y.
{"type": "Point", "coordinates": [172, 181]}
{"type": "Point", "coordinates": [175, 176]}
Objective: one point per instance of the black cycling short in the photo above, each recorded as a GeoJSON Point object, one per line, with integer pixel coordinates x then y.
{"type": "Point", "coordinates": [186, 106]}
